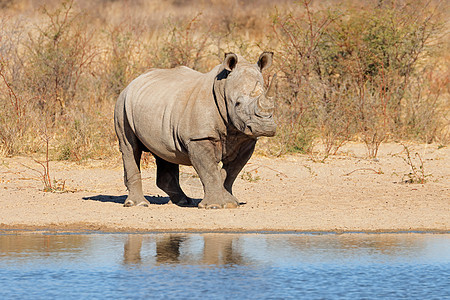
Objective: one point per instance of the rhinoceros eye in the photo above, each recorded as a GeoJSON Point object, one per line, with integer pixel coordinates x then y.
{"type": "Point", "coordinates": [257, 91]}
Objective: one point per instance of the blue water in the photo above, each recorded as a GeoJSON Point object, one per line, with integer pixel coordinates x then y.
{"type": "Point", "coordinates": [225, 266]}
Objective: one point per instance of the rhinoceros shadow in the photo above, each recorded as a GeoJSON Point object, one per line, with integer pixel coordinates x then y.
{"type": "Point", "coordinates": [157, 200]}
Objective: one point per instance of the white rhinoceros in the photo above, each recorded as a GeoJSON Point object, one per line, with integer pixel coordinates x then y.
{"type": "Point", "coordinates": [186, 117]}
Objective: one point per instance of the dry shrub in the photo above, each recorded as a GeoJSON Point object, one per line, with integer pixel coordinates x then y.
{"type": "Point", "coordinates": [427, 106]}
{"type": "Point", "coordinates": [348, 71]}
{"type": "Point", "coordinates": [312, 99]}
{"type": "Point", "coordinates": [15, 104]}
{"type": "Point", "coordinates": [86, 135]}
{"type": "Point", "coordinates": [126, 56]}
{"type": "Point", "coordinates": [185, 45]}
{"type": "Point", "coordinates": [417, 172]}
{"type": "Point", "coordinates": [58, 55]}
{"type": "Point", "coordinates": [368, 71]}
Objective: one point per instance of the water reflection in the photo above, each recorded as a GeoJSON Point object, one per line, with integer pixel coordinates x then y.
{"type": "Point", "coordinates": [132, 249]}
{"type": "Point", "coordinates": [184, 249]}
{"type": "Point", "coordinates": [351, 246]}
{"type": "Point", "coordinates": [168, 249]}
{"type": "Point", "coordinates": [226, 249]}
{"type": "Point", "coordinates": [255, 249]}
{"type": "Point", "coordinates": [219, 250]}
{"type": "Point", "coordinates": [45, 244]}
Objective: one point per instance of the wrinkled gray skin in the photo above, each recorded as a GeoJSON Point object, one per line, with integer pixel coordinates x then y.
{"type": "Point", "coordinates": [185, 117]}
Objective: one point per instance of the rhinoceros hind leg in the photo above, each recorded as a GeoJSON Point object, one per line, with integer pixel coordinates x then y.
{"type": "Point", "coordinates": [131, 149]}
{"type": "Point", "coordinates": [168, 179]}
{"type": "Point", "coordinates": [133, 179]}
{"type": "Point", "coordinates": [231, 169]}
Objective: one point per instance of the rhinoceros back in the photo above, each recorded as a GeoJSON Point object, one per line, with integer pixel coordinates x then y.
{"type": "Point", "coordinates": [168, 108]}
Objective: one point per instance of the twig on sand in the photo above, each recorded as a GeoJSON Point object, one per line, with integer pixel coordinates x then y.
{"type": "Point", "coordinates": [364, 169]}
{"type": "Point", "coordinates": [44, 175]}
{"type": "Point", "coordinates": [272, 169]}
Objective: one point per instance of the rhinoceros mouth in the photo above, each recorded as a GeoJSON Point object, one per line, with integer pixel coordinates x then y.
{"type": "Point", "coordinates": [264, 126]}
{"type": "Point", "coordinates": [264, 117]}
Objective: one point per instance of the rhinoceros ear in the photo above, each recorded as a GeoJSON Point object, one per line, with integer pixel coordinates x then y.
{"type": "Point", "coordinates": [230, 61]}
{"type": "Point", "coordinates": [265, 60]}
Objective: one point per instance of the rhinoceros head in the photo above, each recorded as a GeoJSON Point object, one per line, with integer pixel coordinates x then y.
{"type": "Point", "coordinates": [249, 105]}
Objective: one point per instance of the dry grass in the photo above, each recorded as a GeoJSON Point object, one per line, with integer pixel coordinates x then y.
{"type": "Point", "coordinates": [63, 63]}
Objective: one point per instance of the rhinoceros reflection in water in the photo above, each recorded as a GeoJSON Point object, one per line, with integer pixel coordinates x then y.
{"type": "Point", "coordinates": [217, 250]}
{"type": "Point", "coordinates": [186, 117]}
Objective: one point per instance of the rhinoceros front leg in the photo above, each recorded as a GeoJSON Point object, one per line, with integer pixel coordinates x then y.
{"type": "Point", "coordinates": [168, 179]}
{"type": "Point", "coordinates": [131, 154]}
{"type": "Point", "coordinates": [204, 158]}
{"type": "Point", "coordinates": [231, 169]}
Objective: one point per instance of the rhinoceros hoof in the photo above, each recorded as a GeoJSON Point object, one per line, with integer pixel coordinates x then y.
{"type": "Point", "coordinates": [130, 203]}
{"type": "Point", "coordinates": [210, 206]}
{"type": "Point", "coordinates": [230, 205]}
{"type": "Point", "coordinates": [218, 206]}
{"type": "Point", "coordinates": [185, 202]}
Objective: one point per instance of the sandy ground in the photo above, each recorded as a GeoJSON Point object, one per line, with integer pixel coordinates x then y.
{"type": "Point", "coordinates": [293, 193]}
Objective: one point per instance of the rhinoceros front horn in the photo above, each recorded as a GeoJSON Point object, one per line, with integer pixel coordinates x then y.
{"type": "Point", "coordinates": [266, 102]}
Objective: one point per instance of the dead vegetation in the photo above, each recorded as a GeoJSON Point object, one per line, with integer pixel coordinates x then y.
{"type": "Point", "coordinates": [417, 170]}
{"type": "Point", "coordinates": [365, 71]}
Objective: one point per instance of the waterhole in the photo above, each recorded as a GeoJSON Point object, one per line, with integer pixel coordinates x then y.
{"type": "Point", "coordinates": [225, 266]}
